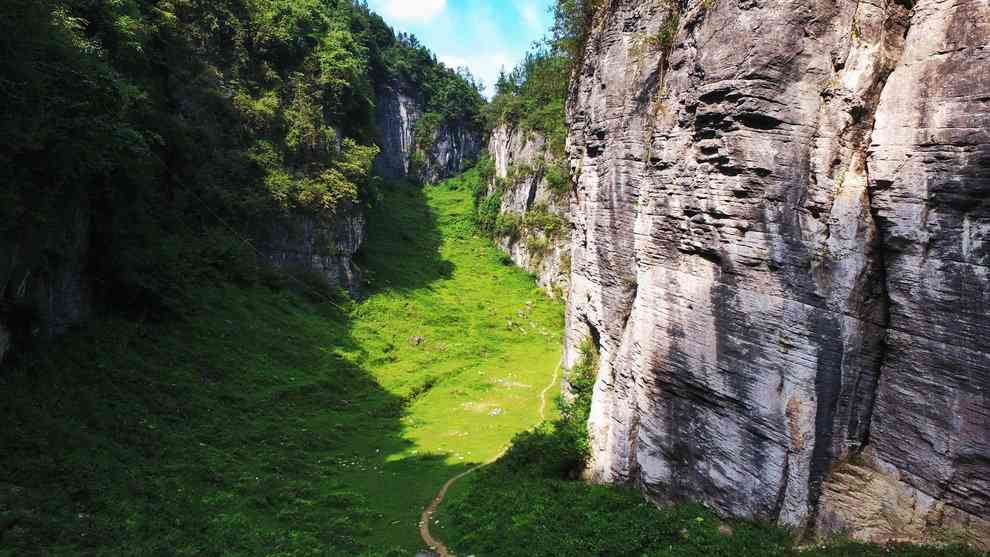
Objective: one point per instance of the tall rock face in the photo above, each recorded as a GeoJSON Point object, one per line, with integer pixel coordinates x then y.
{"type": "Point", "coordinates": [520, 158]}
{"type": "Point", "coordinates": [453, 148]}
{"type": "Point", "coordinates": [301, 242]}
{"type": "Point", "coordinates": [780, 247]}
{"type": "Point", "coordinates": [44, 288]}
{"type": "Point", "coordinates": [396, 114]}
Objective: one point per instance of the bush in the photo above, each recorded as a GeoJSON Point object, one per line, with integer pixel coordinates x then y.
{"type": "Point", "coordinates": [558, 177]}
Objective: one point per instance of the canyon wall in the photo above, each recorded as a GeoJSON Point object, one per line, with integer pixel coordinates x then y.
{"type": "Point", "coordinates": [520, 158]}
{"type": "Point", "coordinates": [44, 288]}
{"type": "Point", "coordinates": [318, 245]}
{"type": "Point", "coordinates": [780, 248]}
{"type": "Point", "coordinates": [452, 149]}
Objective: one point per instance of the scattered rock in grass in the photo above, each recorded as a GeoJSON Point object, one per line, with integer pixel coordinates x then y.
{"type": "Point", "coordinates": [725, 529]}
{"type": "Point", "coordinates": [417, 340]}
{"type": "Point", "coordinates": [496, 412]}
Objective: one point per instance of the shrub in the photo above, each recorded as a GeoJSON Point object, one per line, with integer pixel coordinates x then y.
{"type": "Point", "coordinates": [558, 177]}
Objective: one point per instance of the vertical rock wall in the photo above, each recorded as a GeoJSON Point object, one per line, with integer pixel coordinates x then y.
{"type": "Point", "coordinates": [778, 245]}
{"type": "Point", "coordinates": [44, 289]}
{"type": "Point", "coordinates": [298, 242]}
{"type": "Point", "coordinates": [547, 255]}
{"type": "Point", "coordinates": [396, 114]}
{"type": "Point", "coordinates": [454, 148]}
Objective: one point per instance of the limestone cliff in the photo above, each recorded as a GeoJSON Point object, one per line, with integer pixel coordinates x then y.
{"type": "Point", "coordinates": [325, 246]}
{"type": "Point", "coordinates": [44, 288]}
{"type": "Point", "coordinates": [780, 246]}
{"type": "Point", "coordinates": [539, 238]}
{"type": "Point", "coordinates": [453, 147]}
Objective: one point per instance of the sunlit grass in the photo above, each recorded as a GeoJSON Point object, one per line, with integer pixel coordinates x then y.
{"type": "Point", "coordinates": [268, 423]}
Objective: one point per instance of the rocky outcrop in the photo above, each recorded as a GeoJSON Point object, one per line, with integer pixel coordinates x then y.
{"type": "Point", "coordinates": [521, 159]}
{"type": "Point", "coordinates": [44, 289]}
{"type": "Point", "coordinates": [396, 114]}
{"type": "Point", "coordinates": [454, 146]}
{"type": "Point", "coordinates": [311, 244]}
{"type": "Point", "coordinates": [780, 223]}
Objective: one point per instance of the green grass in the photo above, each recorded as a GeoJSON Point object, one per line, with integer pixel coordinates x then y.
{"type": "Point", "coordinates": [528, 505]}
{"type": "Point", "coordinates": [266, 423]}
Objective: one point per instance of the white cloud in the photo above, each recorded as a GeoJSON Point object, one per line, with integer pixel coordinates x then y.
{"type": "Point", "coordinates": [531, 15]}
{"type": "Point", "coordinates": [421, 11]}
{"type": "Point", "coordinates": [485, 66]}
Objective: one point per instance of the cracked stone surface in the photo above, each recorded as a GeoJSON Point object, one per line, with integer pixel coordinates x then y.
{"type": "Point", "coordinates": [510, 146]}
{"type": "Point", "coordinates": [454, 149]}
{"type": "Point", "coordinates": [779, 244]}
{"type": "Point", "coordinates": [326, 246]}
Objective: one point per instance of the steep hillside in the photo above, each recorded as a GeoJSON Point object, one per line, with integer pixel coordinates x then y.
{"type": "Point", "coordinates": [526, 204]}
{"type": "Point", "coordinates": [779, 252]}
{"type": "Point", "coordinates": [151, 147]}
{"type": "Point", "coordinates": [272, 423]}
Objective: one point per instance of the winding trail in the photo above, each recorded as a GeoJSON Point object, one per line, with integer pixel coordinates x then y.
{"type": "Point", "coordinates": [424, 519]}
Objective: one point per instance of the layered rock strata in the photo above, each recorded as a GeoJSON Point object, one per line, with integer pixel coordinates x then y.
{"type": "Point", "coordinates": [544, 253]}
{"type": "Point", "coordinates": [780, 248]}
{"type": "Point", "coordinates": [454, 147]}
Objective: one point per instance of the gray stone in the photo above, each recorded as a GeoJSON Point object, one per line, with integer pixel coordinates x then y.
{"type": "Point", "coordinates": [42, 273]}
{"type": "Point", "coordinates": [779, 245]}
{"type": "Point", "coordinates": [509, 146]}
{"type": "Point", "coordinates": [302, 242]}
{"type": "Point", "coordinates": [396, 115]}
{"type": "Point", "coordinates": [4, 342]}
{"type": "Point", "coordinates": [453, 149]}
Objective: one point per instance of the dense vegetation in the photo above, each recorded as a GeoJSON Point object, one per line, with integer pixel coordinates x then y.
{"type": "Point", "coordinates": [531, 503]}
{"type": "Point", "coordinates": [164, 122]}
{"type": "Point", "coordinates": [534, 94]}
{"type": "Point", "coordinates": [276, 424]}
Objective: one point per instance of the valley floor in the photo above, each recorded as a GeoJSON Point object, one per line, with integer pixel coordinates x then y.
{"type": "Point", "coordinates": [268, 423]}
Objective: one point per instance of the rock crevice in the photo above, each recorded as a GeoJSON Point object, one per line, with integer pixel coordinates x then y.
{"type": "Point", "coordinates": [535, 231]}
{"type": "Point", "coordinates": [799, 202]}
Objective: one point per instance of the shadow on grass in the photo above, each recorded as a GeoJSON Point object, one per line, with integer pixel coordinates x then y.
{"type": "Point", "coordinates": [241, 430]}
{"type": "Point", "coordinates": [402, 252]}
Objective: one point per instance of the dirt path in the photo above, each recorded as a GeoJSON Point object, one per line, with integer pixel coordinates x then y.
{"type": "Point", "coordinates": [424, 519]}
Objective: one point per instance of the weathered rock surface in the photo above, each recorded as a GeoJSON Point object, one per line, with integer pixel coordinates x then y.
{"type": "Point", "coordinates": [396, 114]}
{"type": "Point", "coordinates": [545, 255]}
{"type": "Point", "coordinates": [43, 286]}
{"type": "Point", "coordinates": [298, 242]}
{"type": "Point", "coordinates": [454, 146]}
{"type": "Point", "coordinates": [780, 247]}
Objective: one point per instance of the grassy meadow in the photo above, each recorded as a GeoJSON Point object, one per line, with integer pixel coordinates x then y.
{"type": "Point", "coordinates": [268, 422]}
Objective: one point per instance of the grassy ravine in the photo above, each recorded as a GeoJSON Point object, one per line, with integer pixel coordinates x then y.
{"type": "Point", "coordinates": [266, 423]}
{"type": "Point", "coordinates": [526, 505]}
{"type": "Point", "coordinates": [529, 504]}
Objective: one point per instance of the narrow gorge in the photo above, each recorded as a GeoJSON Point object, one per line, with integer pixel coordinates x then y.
{"type": "Point", "coordinates": [688, 278]}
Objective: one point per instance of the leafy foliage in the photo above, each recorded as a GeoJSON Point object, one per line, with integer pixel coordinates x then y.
{"type": "Point", "coordinates": [119, 441]}
{"type": "Point", "coordinates": [533, 497]}
{"type": "Point", "coordinates": [164, 120]}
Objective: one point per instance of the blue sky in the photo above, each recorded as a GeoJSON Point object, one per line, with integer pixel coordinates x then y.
{"type": "Point", "coordinates": [483, 35]}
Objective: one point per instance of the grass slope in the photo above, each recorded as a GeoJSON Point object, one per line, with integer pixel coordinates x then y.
{"type": "Point", "coordinates": [523, 507]}
{"type": "Point", "coordinates": [269, 424]}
